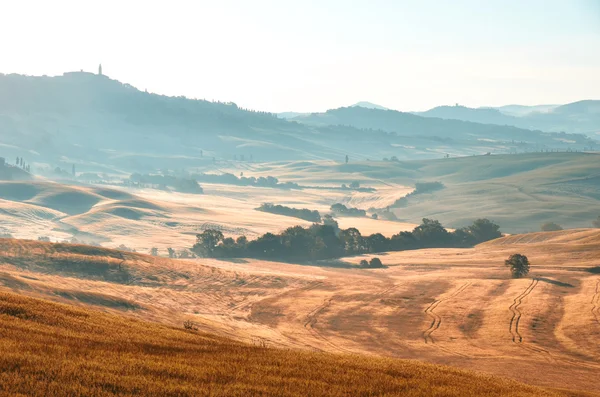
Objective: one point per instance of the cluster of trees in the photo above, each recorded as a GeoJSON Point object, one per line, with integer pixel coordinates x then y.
{"type": "Point", "coordinates": [21, 163]}
{"type": "Point", "coordinates": [231, 179]}
{"type": "Point", "coordinates": [304, 213]}
{"type": "Point", "coordinates": [341, 209]}
{"type": "Point", "coordinates": [374, 263]}
{"type": "Point", "coordinates": [420, 188]}
{"type": "Point", "coordinates": [183, 185]}
{"type": "Point", "coordinates": [327, 241]}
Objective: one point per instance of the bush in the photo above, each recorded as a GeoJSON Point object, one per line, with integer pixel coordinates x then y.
{"type": "Point", "coordinates": [364, 263]}
{"type": "Point", "coordinates": [519, 265]}
{"type": "Point", "coordinates": [551, 227]}
{"type": "Point", "coordinates": [375, 263]}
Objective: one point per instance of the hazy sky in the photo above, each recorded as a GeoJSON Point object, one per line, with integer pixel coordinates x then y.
{"type": "Point", "coordinates": [314, 55]}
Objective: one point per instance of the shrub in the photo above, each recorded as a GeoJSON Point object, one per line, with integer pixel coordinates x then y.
{"type": "Point", "coordinates": [375, 263]}
{"type": "Point", "coordinates": [551, 227]}
{"type": "Point", "coordinates": [364, 263]}
{"type": "Point", "coordinates": [519, 265]}
{"type": "Point", "coordinates": [190, 325]}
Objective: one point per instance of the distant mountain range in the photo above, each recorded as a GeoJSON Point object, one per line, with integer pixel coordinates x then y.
{"type": "Point", "coordinates": [581, 117]}
{"type": "Point", "coordinates": [103, 125]}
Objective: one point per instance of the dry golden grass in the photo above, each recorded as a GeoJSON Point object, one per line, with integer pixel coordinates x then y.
{"type": "Point", "coordinates": [385, 312]}
{"type": "Point", "coordinates": [50, 349]}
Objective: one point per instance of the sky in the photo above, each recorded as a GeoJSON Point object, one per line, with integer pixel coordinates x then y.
{"type": "Point", "coordinates": [313, 55]}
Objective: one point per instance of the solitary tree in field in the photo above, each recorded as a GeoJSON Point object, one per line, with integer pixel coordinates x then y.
{"type": "Point", "coordinates": [154, 251]}
{"type": "Point", "coordinates": [519, 265]}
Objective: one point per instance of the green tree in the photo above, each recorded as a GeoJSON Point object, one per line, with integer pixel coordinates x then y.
{"type": "Point", "coordinates": [484, 230]}
{"type": "Point", "coordinates": [206, 242]}
{"type": "Point", "coordinates": [431, 233]}
{"type": "Point", "coordinates": [171, 252]}
{"type": "Point", "coordinates": [154, 251]}
{"type": "Point", "coordinates": [375, 263]}
{"type": "Point", "coordinates": [518, 264]}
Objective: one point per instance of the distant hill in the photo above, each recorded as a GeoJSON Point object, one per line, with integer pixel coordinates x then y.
{"type": "Point", "coordinates": [103, 125]}
{"type": "Point", "coordinates": [581, 117]}
{"type": "Point", "coordinates": [368, 105]}
{"type": "Point", "coordinates": [408, 124]}
{"type": "Point", "coordinates": [522, 110]}
{"type": "Point", "coordinates": [12, 173]}
{"type": "Point", "coordinates": [482, 115]}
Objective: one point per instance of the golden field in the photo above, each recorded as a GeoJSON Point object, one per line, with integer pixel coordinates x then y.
{"type": "Point", "coordinates": [455, 307]}
{"type": "Point", "coordinates": [50, 349]}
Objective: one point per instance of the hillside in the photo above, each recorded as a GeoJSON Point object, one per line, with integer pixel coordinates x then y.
{"type": "Point", "coordinates": [103, 125]}
{"type": "Point", "coordinates": [520, 192]}
{"type": "Point", "coordinates": [54, 349]}
{"type": "Point", "coordinates": [582, 117]}
{"type": "Point", "coordinates": [328, 307]}
{"type": "Point", "coordinates": [456, 131]}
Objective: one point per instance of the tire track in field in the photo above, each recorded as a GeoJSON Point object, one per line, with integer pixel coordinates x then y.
{"type": "Point", "coordinates": [436, 320]}
{"type": "Point", "coordinates": [596, 303]}
{"type": "Point", "coordinates": [311, 321]}
{"type": "Point", "coordinates": [513, 327]}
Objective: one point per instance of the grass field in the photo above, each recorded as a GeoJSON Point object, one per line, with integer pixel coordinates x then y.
{"type": "Point", "coordinates": [455, 307]}
{"type": "Point", "coordinates": [50, 349]}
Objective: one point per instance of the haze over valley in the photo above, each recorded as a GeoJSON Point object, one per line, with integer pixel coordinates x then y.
{"type": "Point", "coordinates": [430, 227]}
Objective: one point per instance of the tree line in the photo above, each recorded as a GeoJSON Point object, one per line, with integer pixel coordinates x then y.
{"type": "Point", "coordinates": [327, 241]}
{"type": "Point", "coordinates": [304, 213]}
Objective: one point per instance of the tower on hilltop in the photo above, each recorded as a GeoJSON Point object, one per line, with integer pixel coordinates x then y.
{"type": "Point", "coordinates": [100, 70]}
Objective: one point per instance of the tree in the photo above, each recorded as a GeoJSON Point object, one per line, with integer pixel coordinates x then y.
{"type": "Point", "coordinates": [518, 264]}
{"type": "Point", "coordinates": [431, 233]}
{"type": "Point", "coordinates": [154, 251]}
{"type": "Point", "coordinates": [352, 241]}
{"type": "Point", "coordinates": [484, 230]}
{"type": "Point", "coordinates": [171, 252]}
{"type": "Point", "coordinates": [355, 185]}
{"type": "Point", "coordinates": [377, 243]}
{"type": "Point", "coordinates": [364, 263]}
{"type": "Point", "coordinates": [375, 263]}
{"type": "Point", "coordinates": [346, 159]}
{"type": "Point", "coordinates": [551, 227]}
{"type": "Point", "coordinates": [596, 223]}
{"type": "Point", "coordinates": [206, 242]}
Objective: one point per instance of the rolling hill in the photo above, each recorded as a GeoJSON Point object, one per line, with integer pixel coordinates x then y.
{"type": "Point", "coordinates": [582, 117]}
{"type": "Point", "coordinates": [102, 125]}
{"type": "Point", "coordinates": [360, 315]}
{"type": "Point", "coordinates": [54, 349]}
